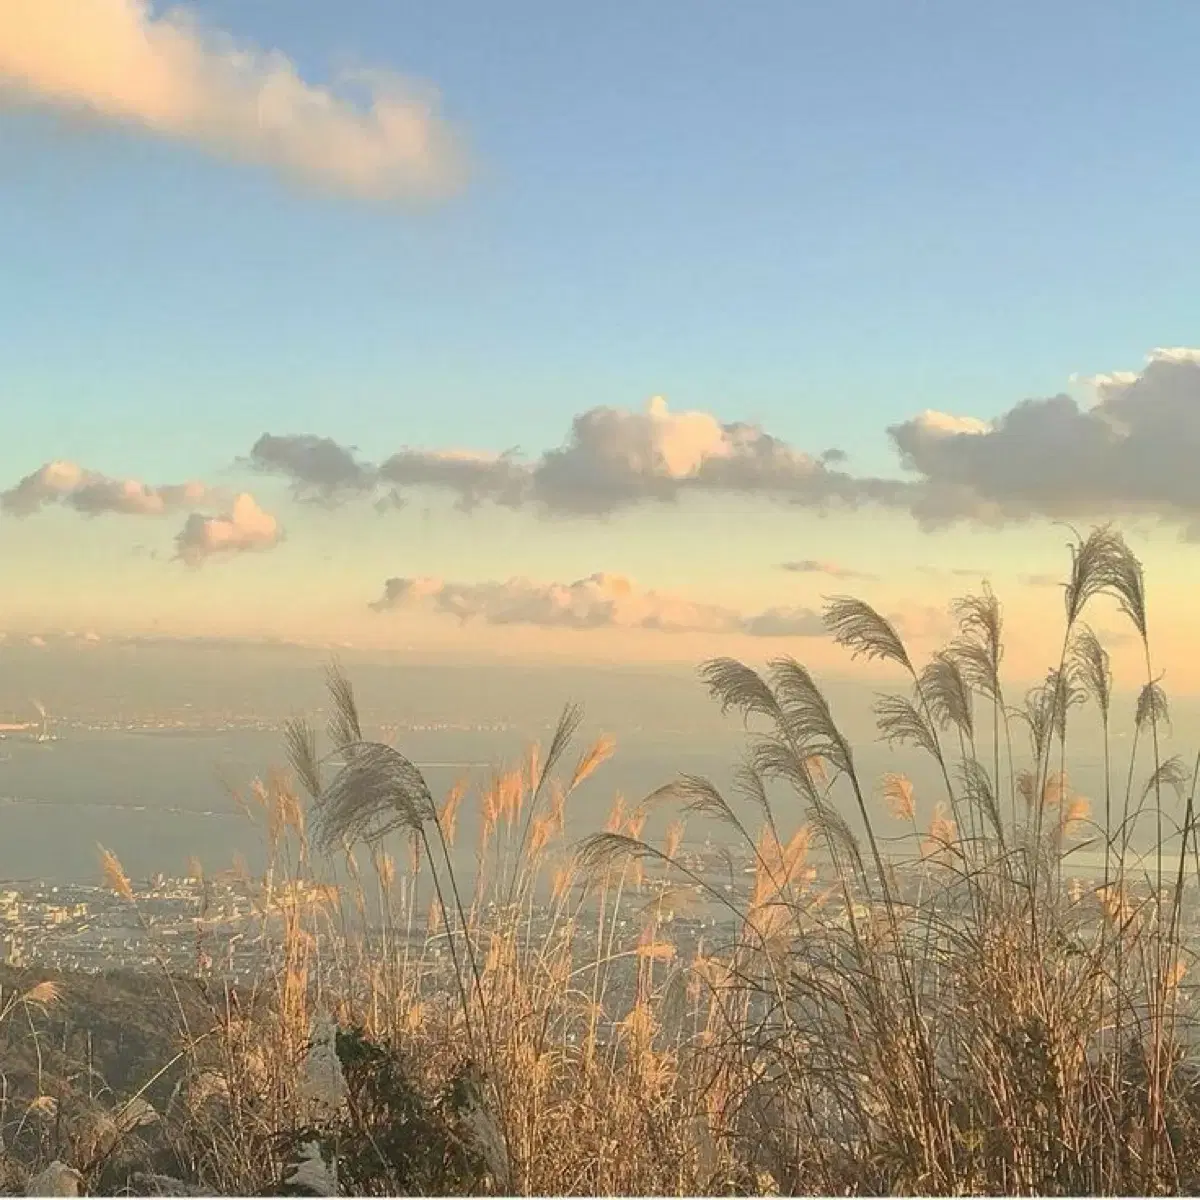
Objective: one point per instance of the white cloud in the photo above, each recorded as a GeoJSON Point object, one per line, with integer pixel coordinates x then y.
{"type": "Point", "coordinates": [118, 62]}
{"type": "Point", "coordinates": [615, 458]}
{"type": "Point", "coordinates": [92, 493]}
{"type": "Point", "coordinates": [245, 527]}
{"type": "Point", "coordinates": [601, 601]}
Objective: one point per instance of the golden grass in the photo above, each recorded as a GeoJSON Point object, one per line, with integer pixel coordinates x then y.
{"type": "Point", "coordinates": [950, 1018]}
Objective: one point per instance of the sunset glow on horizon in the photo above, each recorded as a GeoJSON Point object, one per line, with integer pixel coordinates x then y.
{"type": "Point", "coordinates": [341, 337]}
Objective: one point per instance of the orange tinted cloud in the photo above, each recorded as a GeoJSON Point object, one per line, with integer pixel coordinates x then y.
{"type": "Point", "coordinates": [92, 493]}
{"type": "Point", "coordinates": [601, 601]}
{"type": "Point", "coordinates": [244, 527]}
{"type": "Point", "coordinates": [117, 62]}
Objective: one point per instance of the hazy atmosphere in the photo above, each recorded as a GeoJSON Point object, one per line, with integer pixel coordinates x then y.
{"type": "Point", "coordinates": [380, 380]}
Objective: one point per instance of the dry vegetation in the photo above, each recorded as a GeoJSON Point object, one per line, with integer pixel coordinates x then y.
{"type": "Point", "coordinates": [955, 1018]}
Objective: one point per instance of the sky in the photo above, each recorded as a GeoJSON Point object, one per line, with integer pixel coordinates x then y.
{"type": "Point", "coordinates": [593, 333]}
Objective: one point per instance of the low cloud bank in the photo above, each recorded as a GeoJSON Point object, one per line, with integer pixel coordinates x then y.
{"type": "Point", "coordinates": [1131, 451]}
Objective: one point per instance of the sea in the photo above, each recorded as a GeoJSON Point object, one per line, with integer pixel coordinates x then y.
{"type": "Point", "coordinates": [161, 798]}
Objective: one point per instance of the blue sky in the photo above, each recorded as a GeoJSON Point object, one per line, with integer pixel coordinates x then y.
{"type": "Point", "coordinates": [819, 218]}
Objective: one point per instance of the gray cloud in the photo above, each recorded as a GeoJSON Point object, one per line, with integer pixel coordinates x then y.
{"type": "Point", "coordinates": [975, 573]}
{"type": "Point", "coordinates": [612, 459]}
{"type": "Point", "coordinates": [1131, 453]}
{"type": "Point", "coordinates": [601, 601]}
{"type": "Point", "coordinates": [812, 566]}
{"type": "Point", "coordinates": [94, 494]}
{"type": "Point", "coordinates": [473, 477]}
{"type": "Point", "coordinates": [785, 622]}
{"type": "Point", "coordinates": [317, 467]}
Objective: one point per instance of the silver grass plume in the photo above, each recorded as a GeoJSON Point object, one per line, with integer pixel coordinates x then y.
{"type": "Point", "coordinates": [1063, 695]}
{"type": "Point", "coordinates": [1095, 567]}
{"type": "Point", "coordinates": [377, 792]}
{"type": "Point", "coordinates": [1093, 668]}
{"type": "Point", "coordinates": [750, 786]}
{"type": "Point", "coordinates": [345, 729]}
{"type": "Point", "coordinates": [701, 797]}
{"type": "Point", "coordinates": [1152, 706]}
{"type": "Point", "coordinates": [861, 630]}
{"type": "Point", "coordinates": [300, 739]}
{"type": "Point", "coordinates": [900, 723]}
{"type": "Point", "coordinates": [979, 647]}
{"type": "Point", "coordinates": [601, 852]}
{"type": "Point", "coordinates": [773, 758]}
{"type": "Point", "coordinates": [809, 723]}
{"type": "Point", "coordinates": [736, 685]}
{"type": "Point", "coordinates": [1127, 582]}
{"type": "Point", "coordinates": [1172, 773]}
{"type": "Point", "coordinates": [832, 826]}
{"type": "Point", "coordinates": [977, 788]}
{"type": "Point", "coordinates": [568, 725]}
{"type": "Point", "coordinates": [947, 693]}
{"type": "Point", "coordinates": [1038, 714]}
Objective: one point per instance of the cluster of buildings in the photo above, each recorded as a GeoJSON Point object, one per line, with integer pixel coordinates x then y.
{"type": "Point", "coordinates": [85, 928]}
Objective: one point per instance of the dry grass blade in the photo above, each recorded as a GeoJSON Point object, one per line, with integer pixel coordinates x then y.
{"type": "Point", "coordinates": [114, 874]}
{"type": "Point", "coordinates": [592, 759]}
{"type": "Point", "coordinates": [43, 994]}
{"type": "Point", "coordinates": [864, 632]}
{"type": "Point", "coordinates": [568, 726]}
{"type": "Point", "coordinates": [943, 833]}
{"type": "Point", "coordinates": [674, 839]}
{"type": "Point", "coordinates": [898, 796]}
{"type": "Point", "coordinates": [448, 813]}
